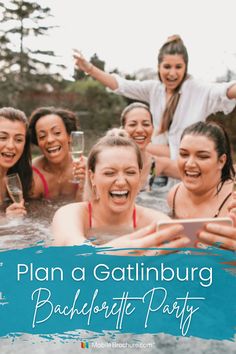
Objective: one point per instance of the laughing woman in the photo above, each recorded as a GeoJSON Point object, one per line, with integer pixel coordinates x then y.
{"type": "Point", "coordinates": [207, 173]}
{"type": "Point", "coordinates": [114, 176]}
{"type": "Point", "coordinates": [136, 119]}
{"type": "Point", "coordinates": [50, 129]}
{"type": "Point", "coordinates": [14, 155]}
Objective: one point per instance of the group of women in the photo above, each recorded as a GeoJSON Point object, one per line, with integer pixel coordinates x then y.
{"type": "Point", "coordinates": [50, 174]}
{"type": "Point", "coordinates": [176, 99]}
{"type": "Point", "coordinates": [118, 165]}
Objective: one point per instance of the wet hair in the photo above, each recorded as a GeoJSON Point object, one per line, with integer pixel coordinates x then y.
{"type": "Point", "coordinates": [219, 136]}
{"type": "Point", "coordinates": [113, 138]}
{"type": "Point", "coordinates": [129, 108]}
{"type": "Point", "coordinates": [68, 118]}
{"type": "Point", "coordinates": [173, 46]}
{"type": "Point", "coordinates": [23, 165]}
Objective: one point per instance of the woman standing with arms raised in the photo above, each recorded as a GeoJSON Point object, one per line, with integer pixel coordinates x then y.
{"type": "Point", "coordinates": [176, 100]}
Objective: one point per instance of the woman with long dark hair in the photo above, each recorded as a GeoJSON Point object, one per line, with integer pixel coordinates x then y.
{"type": "Point", "coordinates": [15, 156]}
{"type": "Point", "coordinates": [207, 180]}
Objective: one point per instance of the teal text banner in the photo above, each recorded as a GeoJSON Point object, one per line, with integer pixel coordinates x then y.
{"type": "Point", "coordinates": [55, 290]}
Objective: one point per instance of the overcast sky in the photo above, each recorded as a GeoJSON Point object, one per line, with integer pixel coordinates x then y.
{"type": "Point", "coordinates": [127, 34]}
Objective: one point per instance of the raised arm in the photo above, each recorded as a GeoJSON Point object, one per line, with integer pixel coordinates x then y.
{"type": "Point", "coordinates": [104, 78]}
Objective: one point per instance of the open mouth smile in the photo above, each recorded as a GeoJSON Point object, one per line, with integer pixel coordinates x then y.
{"type": "Point", "coordinates": [192, 174]}
{"type": "Point", "coordinates": [9, 156]}
{"type": "Point", "coordinates": [54, 149]}
{"type": "Point", "coordinates": [139, 139]}
{"type": "Point", "coordinates": [119, 194]}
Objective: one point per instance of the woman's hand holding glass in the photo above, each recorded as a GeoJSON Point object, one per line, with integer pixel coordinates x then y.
{"type": "Point", "coordinates": [77, 149]}
{"type": "Point", "coordinates": [16, 209]}
{"type": "Point", "coordinates": [79, 171]}
{"type": "Point", "coordinates": [15, 191]}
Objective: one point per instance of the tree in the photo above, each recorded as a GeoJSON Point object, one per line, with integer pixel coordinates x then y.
{"type": "Point", "coordinates": [98, 109]}
{"type": "Point", "coordinates": [21, 66]}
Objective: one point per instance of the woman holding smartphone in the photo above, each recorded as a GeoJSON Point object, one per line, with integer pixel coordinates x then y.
{"type": "Point", "coordinates": [207, 179]}
{"type": "Point", "coordinates": [114, 174]}
{"type": "Point", "coordinates": [15, 155]}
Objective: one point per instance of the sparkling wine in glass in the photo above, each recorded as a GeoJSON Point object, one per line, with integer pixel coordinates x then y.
{"type": "Point", "coordinates": [77, 148]}
{"type": "Point", "coordinates": [14, 187]}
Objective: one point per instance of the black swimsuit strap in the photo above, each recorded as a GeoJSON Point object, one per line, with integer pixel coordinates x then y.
{"type": "Point", "coordinates": [173, 204]}
{"type": "Point", "coordinates": [222, 204]}
{"type": "Point", "coordinates": [215, 216]}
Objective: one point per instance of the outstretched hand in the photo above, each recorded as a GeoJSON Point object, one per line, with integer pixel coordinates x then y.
{"type": "Point", "coordinates": [82, 63]}
{"type": "Point", "coordinates": [140, 242]}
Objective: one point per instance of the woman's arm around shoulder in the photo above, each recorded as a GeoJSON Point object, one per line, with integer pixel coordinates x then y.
{"type": "Point", "coordinates": [68, 225]}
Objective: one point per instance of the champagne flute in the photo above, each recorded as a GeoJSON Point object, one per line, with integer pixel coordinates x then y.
{"type": "Point", "coordinates": [77, 148]}
{"type": "Point", "coordinates": [14, 187]}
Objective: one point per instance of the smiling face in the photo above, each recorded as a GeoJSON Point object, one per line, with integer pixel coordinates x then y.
{"type": "Point", "coordinates": [53, 138]}
{"type": "Point", "coordinates": [139, 125]}
{"type": "Point", "coordinates": [172, 71]}
{"type": "Point", "coordinates": [199, 165]}
{"type": "Point", "coordinates": [12, 142]}
{"type": "Point", "coordinates": [116, 177]}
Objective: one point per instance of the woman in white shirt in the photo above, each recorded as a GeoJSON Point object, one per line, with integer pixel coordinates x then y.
{"type": "Point", "coordinates": [176, 100]}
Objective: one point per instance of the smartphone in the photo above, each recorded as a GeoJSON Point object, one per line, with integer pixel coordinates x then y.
{"type": "Point", "coordinates": [193, 226]}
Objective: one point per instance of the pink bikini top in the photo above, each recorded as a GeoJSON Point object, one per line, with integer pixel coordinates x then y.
{"type": "Point", "coordinates": [90, 216]}
{"type": "Point", "coordinates": [43, 179]}
{"type": "Point", "coordinates": [45, 184]}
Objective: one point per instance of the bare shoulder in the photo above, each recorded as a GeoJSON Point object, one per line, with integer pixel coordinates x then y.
{"type": "Point", "coordinates": [170, 196]}
{"type": "Point", "coordinates": [226, 197]}
{"type": "Point", "coordinates": [37, 188]}
{"type": "Point", "coordinates": [71, 210]}
{"type": "Point", "coordinates": [68, 225]}
{"type": "Point", "coordinates": [145, 216]}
